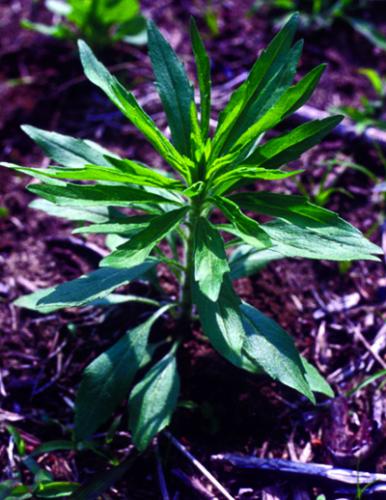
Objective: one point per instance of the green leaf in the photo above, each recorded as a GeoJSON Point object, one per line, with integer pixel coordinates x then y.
{"type": "Point", "coordinates": [259, 88]}
{"type": "Point", "coordinates": [367, 381]}
{"type": "Point", "coordinates": [123, 171]}
{"type": "Point", "coordinates": [76, 195]}
{"type": "Point", "coordinates": [203, 75]}
{"type": "Point", "coordinates": [272, 349]}
{"type": "Point", "coordinates": [145, 175]}
{"type": "Point", "coordinates": [222, 324]}
{"type": "Point", "coordinates": [210, 261]}
{"type": "Point", "coordinates": [252, 341]}
{"type": "Point", "coordinates": [340, 242]}
{"type": "Point", "coordinates": [315, 380]}
{"type": "Point", "coordinates": [114, 299]}
{"type": "Point", "coordinates": [133, 32]}
{"type": "Point", "coordinates": [173, 86]}
{"type": "Point", "coordinates": [55, 489]}
{"type": "Point", "coordinates": [292, 208]}
{"type": "Point", "coordinates": [153, 401]}
{"type": "Point", "coordinates": [246, 260]}
{"type": "Point", "coordinates": [98, 74]}
{"type": "Point", "coordinates": [127, 227]}
{"type": "Point", "coordinates": [116, 11]}
{"type": "Point", "coordinates": [59, 31]}
{"type": "Point", "coordinates": [66, 150]}
{"type": "Point", "coordinates": [106, 381]}
{"type": "Point", "coordinates": [374, 78]}
{"type": "Point", "coordinates": [290, 146]}
{"type": "Point", "coordinates": [17, 439]}
{"type": "Point", "coordinates": [83, 214]}
{"type": "Point", "coordinates": [306, 230]}
{"type": "Point", "coordinates": [83, 290]}
{"type": "Point", "coordinates": [248, 229]}
{"type": "Point", "coordinates": [141, 244]}
{"type": "Point", "coordinates": [49, 446]}
{"type": "Point", "coordinates": [242, 175]}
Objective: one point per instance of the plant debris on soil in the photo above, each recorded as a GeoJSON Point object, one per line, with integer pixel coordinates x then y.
{"type": "Point", "coordinates": [335, 314]}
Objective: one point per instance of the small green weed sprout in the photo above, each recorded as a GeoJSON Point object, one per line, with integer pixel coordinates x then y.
{"type": "Point", "coordinates": [99, 22]}
{"type": "Point", "coordinates": [211, 172]}
{"type": "Point", "coordinates": [372, 113]}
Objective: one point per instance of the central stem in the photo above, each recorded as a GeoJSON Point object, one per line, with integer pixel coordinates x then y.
{"type": "Point", "coordinates": [186, 295]}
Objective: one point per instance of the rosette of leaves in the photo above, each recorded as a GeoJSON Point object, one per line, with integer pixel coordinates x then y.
{"type": "Point", "coordinates": [99, 22]}
{"type": "Point", "coordinates": [174, 210]}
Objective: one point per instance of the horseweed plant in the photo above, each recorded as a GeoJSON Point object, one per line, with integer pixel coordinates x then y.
{"type": "Point", "coordinates": [176, 210]}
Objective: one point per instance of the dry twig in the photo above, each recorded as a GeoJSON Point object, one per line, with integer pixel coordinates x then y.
{"type": "Point", "coordinates": [198, 465]}
{"type": "Point", "coordinates": [318, 473]}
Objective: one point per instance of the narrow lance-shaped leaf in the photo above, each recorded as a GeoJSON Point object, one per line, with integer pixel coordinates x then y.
{"type": "Point", "coordinates": [210, 261]}
{"type": "Point", "coordinates": [307, 230]}
{"type": "Point", "coordinates": [66, 150]}
{"type": "Point", "coordinates": [222, 324]}
{"type": "Point", "coordinates": [83, 290]}
{"type": "Point", "coordinates": [203, 75]}
{"type": "Point", "coordinates": [153, 401]}
{"type": "Point", "coordinates": [141, 244]}
{"type": "Point", "coordinates": [106, 381]}
{"type": "Point", "coordinates": [248, 229]}
{"type": "Point", "coordinates": [252, 341]}
{"type": "Point", "coordinates": [173, 86]}
{"type": "Point", "coordinates": [315, 380]}
{"type": "Point", "coordinates": [126, 226]}
{"type": "Point", "coordinates": [242, 175]}
{"type": "Point", "coordinates": [341, 242]}
{"type": "Point", "coordinates": [146, 175]}
{"type": "Point", "coordinates": [53, 489]}
{"type": "Point", "coordinates": [374, 78]}
{"type": "Point", "coordinates": [293, 208]}
{"type": "Point", "coordinates": [83, 214]}
{"type": "Point", "coordinates": [197, 143]}
{"type": "Point", "coordinates": [288, 147]}
{"type": "Point", "coordinates": [128, 172]}
{"type": "Point", "coordinates": [98, 74]}
{"type": "Point", "coordinates": [271, 347]}
{"type": "Point", "coordinates": [76, 195]}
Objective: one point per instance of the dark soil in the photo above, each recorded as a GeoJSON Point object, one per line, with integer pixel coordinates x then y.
{"type": "Point", "coordinates": [225, 410]}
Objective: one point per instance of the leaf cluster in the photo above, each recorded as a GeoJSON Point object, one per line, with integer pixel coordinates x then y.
{"type": "Point", "coordinates": [100, 22]}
